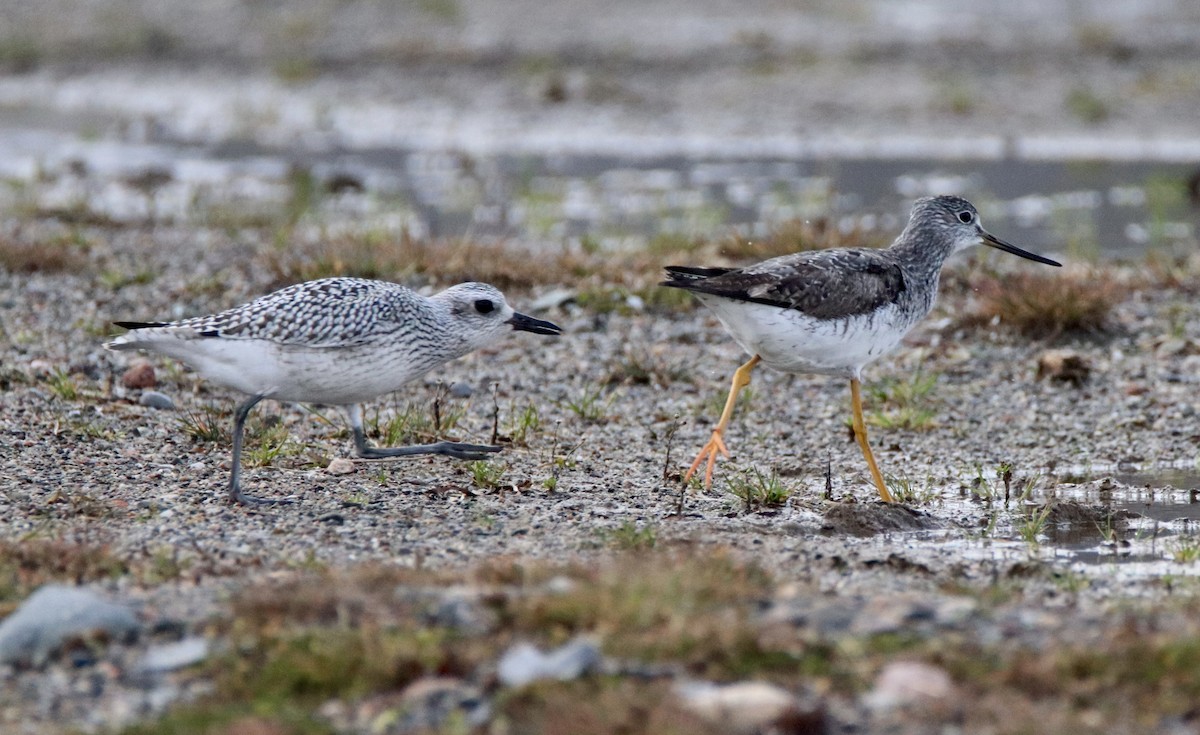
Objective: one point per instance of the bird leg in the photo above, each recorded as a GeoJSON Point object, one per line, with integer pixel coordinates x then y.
{"type": "Point", "coordinates": [860, 435]}
{"type": "Point", "coordinates": [741, 379]}
{"type": "Point", "coordinates": [457, 450]}
{"type": "Point", "coordinates": [235, 485]}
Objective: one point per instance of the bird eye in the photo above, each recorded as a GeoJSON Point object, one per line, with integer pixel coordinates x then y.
{"type": "Point", "coordinates": [965, 217]}
{"type": "Point", "coordinates": [484, 306]}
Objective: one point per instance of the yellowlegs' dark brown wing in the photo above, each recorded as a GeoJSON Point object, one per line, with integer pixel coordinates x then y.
{"type": "Point", "coordinates": [825, 284]}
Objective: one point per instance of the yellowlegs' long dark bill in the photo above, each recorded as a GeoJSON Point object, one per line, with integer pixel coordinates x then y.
{"type": "Point", "coordinates": [992, 241]}
{"type": "Point", "coordinates": [831, 312]}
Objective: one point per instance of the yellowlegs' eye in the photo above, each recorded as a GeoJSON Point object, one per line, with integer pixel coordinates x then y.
{"type": "Point", "coordinates": [965, 217]}
{"type": "Point", "coordinates": [484, 306]}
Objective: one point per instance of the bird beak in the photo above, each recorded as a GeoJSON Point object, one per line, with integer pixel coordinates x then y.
{"type": "Point", "coordinates": [992, 241]}
{"type": "Point", "coordinates": [523, 323]}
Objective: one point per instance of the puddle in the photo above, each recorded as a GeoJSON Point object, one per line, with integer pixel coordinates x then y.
{"type": "Point", "coordinates": [1047, 206]}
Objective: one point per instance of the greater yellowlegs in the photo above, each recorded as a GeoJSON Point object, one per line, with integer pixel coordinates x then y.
{"type": "Point", "coordinates": [831, 312]}
{"type": "Point", "coordinates": [334, 341]}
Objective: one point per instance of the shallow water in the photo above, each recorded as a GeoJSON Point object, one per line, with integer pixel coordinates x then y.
{"type": "Point", "coordinates": [1070, 208]}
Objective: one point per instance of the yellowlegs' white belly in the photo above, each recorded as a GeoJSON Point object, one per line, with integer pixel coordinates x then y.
{"type": "Point", "coordinates": [793, 342]}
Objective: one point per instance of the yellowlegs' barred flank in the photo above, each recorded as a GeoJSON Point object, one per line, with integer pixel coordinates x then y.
{"type": "Point", "coordinates": [831, 312]}
{"type": "Point", "coordinates": [335, 341]}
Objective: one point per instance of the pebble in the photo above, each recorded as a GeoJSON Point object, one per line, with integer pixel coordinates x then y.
{"type": "Point", "coordinates": [55, 614]}
{"type": "Point", "coordinates": [553, 298]}
{"type": "Point", "coordinates": [750, 707]}
{"type": "Point", "coordinates": [340, 466]}
{"type": "Point", "coordinates": [461, 390]}
{"type": "Point", "coordinates": [461, 611]}
{"type": "Point", "coordinates": [40, 367]}
{"type": "Point", "coordinates": [523, 663]}
{"type": "Point", "coordinates": [1064, 366]}
{"type": "Point", "coordinates": [139, 375]}
{"type": "Point", "coordinates": [429, 703]}
{"type": "Point", "coordinates": [174, 656]}
{"type": "Point", "coordinates": [154, 399]}
{"type": "Point", "coordinates": [904, 683]}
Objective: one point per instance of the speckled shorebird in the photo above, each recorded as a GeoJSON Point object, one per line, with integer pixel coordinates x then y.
{"type": "Point", "coordinates": [334, 341]}
{"type": "Point", "coordinates": [830, 312]}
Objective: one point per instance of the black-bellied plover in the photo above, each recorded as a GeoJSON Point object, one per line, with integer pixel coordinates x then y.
{"type": "Point", "coordinates": [334, 341]}
{"type": "Point", "coordinates": [830, 312]}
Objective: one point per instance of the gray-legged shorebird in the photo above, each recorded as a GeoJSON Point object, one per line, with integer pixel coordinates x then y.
{"type": "Point", "coordinates": [830, 312]}
{"type": "Point", "coordinates": [334, 341]}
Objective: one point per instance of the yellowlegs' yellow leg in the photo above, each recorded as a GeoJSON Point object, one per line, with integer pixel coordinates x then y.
{"type": "Point", "coordinates": [860, 435]}
{"type": "Point", "coordinates": [741, 379]}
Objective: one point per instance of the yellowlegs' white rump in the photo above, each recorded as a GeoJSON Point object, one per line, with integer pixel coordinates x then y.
{"type": "Point", "coordinates": [831, 312]}
{"type": "Point", "coordinates": [335, 341]}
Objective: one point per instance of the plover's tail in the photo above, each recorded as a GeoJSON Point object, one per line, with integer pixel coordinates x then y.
{"type": "Point", "coordinates": [131, 340]}
{"type": "Point", "coordinates": [143, 335]}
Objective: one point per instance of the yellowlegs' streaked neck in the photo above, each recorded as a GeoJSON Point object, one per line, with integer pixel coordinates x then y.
{"type": "Point", "coordinates": [335, 341]}
{"type": "Point", "coordinates": [831, 312]}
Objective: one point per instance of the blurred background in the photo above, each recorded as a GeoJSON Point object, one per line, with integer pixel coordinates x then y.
{"type": "Point", "coordinates": [1073, 125]}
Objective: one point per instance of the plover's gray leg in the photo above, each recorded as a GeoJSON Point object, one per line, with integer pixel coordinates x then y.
{"type": "Point", "coordinates": [235, 484]}
{"type": "Point", "coordinates": [458, 450]}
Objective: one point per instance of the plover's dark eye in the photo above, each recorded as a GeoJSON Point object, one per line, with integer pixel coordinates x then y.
{"type": "Point", "coordinates": [965, 217]}
{"type": "Point", "coordinates": [484, 306]}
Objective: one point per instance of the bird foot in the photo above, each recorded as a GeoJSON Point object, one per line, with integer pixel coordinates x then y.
{"type": "Point", "coordinates": [715, 446]}
{"type": "Point", "coordinates": [237, 496]}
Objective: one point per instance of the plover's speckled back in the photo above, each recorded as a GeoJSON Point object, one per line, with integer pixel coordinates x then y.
{"type": "Point", "coordinates": [336, 341]}
{"type": "Point", "coordinates": [831, 312]}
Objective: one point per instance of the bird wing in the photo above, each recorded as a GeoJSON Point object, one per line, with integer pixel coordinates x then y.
{"type": "Point", "coordinates": [340, 312]}
{"type": "Point", "coordinates": [824, 284]}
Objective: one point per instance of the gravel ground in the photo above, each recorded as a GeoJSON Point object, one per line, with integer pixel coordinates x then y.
{"type": "Point", "coordinates": [626, 397]}
{"type": "Point", "coordinates": [98, 469]}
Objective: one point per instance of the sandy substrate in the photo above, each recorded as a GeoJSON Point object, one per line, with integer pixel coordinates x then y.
{"type": "Point", "coordinates": [626, 397]}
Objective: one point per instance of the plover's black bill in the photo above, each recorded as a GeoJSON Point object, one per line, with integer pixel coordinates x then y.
{"type": "Point", "coordinates": [993, 241]}
{"type": "Point", "coordinates": [523, 323]}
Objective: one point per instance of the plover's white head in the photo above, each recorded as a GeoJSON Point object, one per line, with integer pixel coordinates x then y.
{"type": "Point", "coordinates": [480, 314]}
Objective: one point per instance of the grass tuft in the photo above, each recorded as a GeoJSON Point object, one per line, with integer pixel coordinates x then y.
{"type": "Point", "coordinates": [487, 475]}
{"type": "Point", "coordinates": [67, 253]}
{"type": "Point", "coordinates": [29, 563]}
{"type": "Point", "coordinates": [1046, 306]}
{"type": "Point", "coordinates": [629, 536]}
{"type": "Point", "coordinates": [209, 425]}
{"type": "Point", "coordinates": [757, 490]}
{"type": "Point", "coordinates": [908, 403]}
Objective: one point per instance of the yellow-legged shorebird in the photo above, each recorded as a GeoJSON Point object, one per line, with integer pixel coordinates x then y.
{"type": "Point", "coordinates": [831, 312]}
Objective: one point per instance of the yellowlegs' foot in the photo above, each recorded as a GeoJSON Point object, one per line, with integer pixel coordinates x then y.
{"type": "Point", "coordinates": [335, 341]}
{"type": "Point", "coordinates": [831, 312]}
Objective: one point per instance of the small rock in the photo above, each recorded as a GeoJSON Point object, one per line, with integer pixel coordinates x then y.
{"type": "Point", "coordinates": [154, 399]}
{"type": "Point", "coordinates": [461, 390]}
{"type": "Point", "coordinates": [460, 610]}
{"type": "Point", "coordinates": [523, 663]}
{"type": "Point", "coordinates": [903, 683]}
{"type": "Point", "coordinates": [1176, 347]}
{"type": "Point", "coordinates": [551, 299]}
{"type": "Point", "coordinates": [139, 375]}
{"type": "Point", "coordinates": [750, 707]}
{"type": "Point", "coordinates": [1065, 366]}
{"type": "Point", "coordinates": [869, 519]}
{"type": "Point", "coordinates": [174, 656]}
{"type": "Point", "coordinates": [340, 466]}
{"type": "Point", "coordinates": [427, 704]}
{"type": "Point", "coordinates": [40, 368]}
{"type": "Point", "coordinates": [55, 614]}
